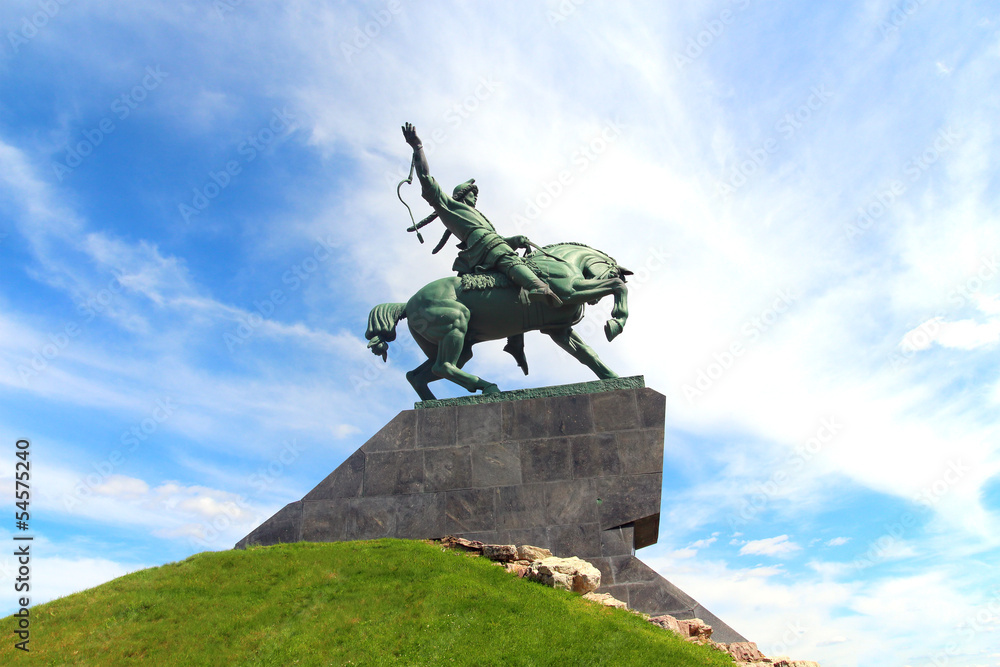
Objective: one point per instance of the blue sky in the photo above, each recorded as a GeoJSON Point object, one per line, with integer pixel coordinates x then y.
{"type": "Point", "coordinates": [198, 211]}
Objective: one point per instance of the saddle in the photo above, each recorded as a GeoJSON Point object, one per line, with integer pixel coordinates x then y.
{"type": "Point", "coordinates": [484, 281]}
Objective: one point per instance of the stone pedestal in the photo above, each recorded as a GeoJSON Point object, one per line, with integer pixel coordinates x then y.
{"type": "Point", "coordinates": [575, 469]}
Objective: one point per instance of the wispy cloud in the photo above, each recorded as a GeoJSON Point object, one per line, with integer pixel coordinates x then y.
{"type": "Point", "coordinates": [770, 546]}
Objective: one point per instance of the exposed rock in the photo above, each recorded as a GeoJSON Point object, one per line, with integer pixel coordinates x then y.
{"type": "Point", "coordinates": [520, 569]}
{"type": "Point", "coordinates": [502, 553]}
{"type": "Point", "coordinates": [606, 599]}
{"type": "Point", "coordinates": [742, 651]}
{"type": "Point", "coordinates": [667, 622]}
{"type": "Point", "coordinates": [695, 630]}
{"type": "Point", "coordinates": [530, 553]}
{"type": "Point", "coordinates": [452, 542]}
{"type": "Point", "coordinates": [575, 574]}
{"type": "Point", "coordinates": [571, 574]}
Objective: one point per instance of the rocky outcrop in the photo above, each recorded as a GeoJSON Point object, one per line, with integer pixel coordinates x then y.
{"type": "Point", "coordinates": [571, 574]}
{"type": "Point", "coordinates": [575, 574]}
{"type": "Point", "coordinates": [606, 600]}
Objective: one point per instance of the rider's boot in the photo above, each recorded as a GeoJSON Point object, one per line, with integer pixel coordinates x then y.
{"type": "Point", "coordinates": [537, 290]}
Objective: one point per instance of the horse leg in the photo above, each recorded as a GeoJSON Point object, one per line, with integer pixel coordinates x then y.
{"type": "Point", "coordinates": [570, 341]}
{"type": "Point", "coordinates": [420, 377]}
{"type": "Point", "coordinates": [423, 375]}
{"type": "Point", "coordinates": [591, 290]}
{"type": "Point", "coordinates": [450, 324]}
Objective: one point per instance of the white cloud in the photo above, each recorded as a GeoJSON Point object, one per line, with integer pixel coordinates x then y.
{"type": "Point", "coordinates": [838, 541]}
{"type": "Point", "coordinates": [120, 485]}
{"type": "Point", "coordinates": [771, 546]}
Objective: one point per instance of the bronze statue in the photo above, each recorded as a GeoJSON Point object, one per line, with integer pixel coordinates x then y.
{"type": "Point", "coordinates": [497, 294]}
{"type": "Point", "coordinates": [481, 249]}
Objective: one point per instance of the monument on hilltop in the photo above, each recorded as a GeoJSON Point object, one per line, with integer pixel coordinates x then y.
{"type": "Point", "coordinates": [576, 469]}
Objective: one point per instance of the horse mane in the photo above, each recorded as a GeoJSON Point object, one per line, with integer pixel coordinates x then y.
{"type": "Point", "coordinates": [582, 245]}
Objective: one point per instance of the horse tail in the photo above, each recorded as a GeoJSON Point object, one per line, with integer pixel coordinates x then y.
{"type": "Point", "coordinates": [382, 321]}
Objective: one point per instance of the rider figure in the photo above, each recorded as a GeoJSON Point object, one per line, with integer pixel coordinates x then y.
{"type": "Point", "coordinates": [480, 248]}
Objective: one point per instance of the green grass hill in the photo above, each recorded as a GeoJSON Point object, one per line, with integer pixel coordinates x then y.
{"type": "Point", "coordinates": [386, 602]}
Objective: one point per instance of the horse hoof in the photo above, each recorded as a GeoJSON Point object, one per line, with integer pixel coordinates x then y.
{"type": "Point", "coordinates": [611, 329]}
{"type": "Point", "coordinates": [491, 389]}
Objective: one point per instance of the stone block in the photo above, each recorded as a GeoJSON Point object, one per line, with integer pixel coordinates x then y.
{"type": "Point", "coordinates": [284, 527]}
{"type": "Point", "coordinates": [546, 460]}
{"type": "Point", "coordinates": [520, 507]}
{"type": "Point", "coordinates": [370, 518]}
{"type": "Point", "coordinates": [470, 510]}
{"type": "Point", "coordinates": [572, 501]}
{"type": "Point", "coordinates": [575, 540]}
{"type": "Point", "coordinates": [631, 569]}
{"type": "Point", "coordinates": [615, 411]}
{"type": "Point", "coordinates": [547, 417]}
{"type": "Point", "coordinates": [652, 408]}
{"type": "Point", "coordinates": [436, 427]}
{"type": "Point", "coordinates": [420, 516]}
{"type": "Point", "coordinates": [641, 451]}
{"type": "Point", "coordinates": [496, 464]}
{"type": "Point", "coordinates": [324, 520]}
{"type": "Point", "coordinates": [617, 541]}
{"type": "Point", "coordinates": [393, 473]}
{"type": "Point", "coordinates": [624, 499]}
{"type": "Point", "coordinates": [344, 482]}
{"type": "Point", "coordinates": [661, 597]}
{"type": "Point", "coordinates": [595, 456]}
{"type": "Point", "coordinates": [400, 433]}
{"type": "Point", "coordinates": [479, 424]}
{"type": "Point", "coordinates": [447, 469]}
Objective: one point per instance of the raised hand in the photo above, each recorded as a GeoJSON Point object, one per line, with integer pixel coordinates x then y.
{"type": "Point", "coordinates": [410, 134]}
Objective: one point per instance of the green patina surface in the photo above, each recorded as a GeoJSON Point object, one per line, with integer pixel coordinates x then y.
{"type": "Point", "coordinates": [595, 387]}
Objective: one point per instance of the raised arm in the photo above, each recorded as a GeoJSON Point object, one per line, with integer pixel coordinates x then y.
{"type": "Point", "coordinates": [419, 159]}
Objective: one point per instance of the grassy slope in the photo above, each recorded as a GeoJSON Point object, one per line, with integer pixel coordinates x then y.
{"type": "Point", "coordinates": [364, 603]}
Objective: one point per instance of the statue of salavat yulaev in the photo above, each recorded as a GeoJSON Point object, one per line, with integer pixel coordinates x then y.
{"type": "Point", "coordinates": [497, 293]}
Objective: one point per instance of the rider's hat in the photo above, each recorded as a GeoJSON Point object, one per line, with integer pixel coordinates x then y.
{"type": "Point", "coordinates": [464, 188]}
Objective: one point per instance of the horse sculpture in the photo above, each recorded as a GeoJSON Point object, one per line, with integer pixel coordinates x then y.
{"type": "Point", "coordinates": [450, 315]}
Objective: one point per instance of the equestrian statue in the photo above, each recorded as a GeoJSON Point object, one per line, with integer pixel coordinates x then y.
{"type": "Point", "coordinates": [497, 293]}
